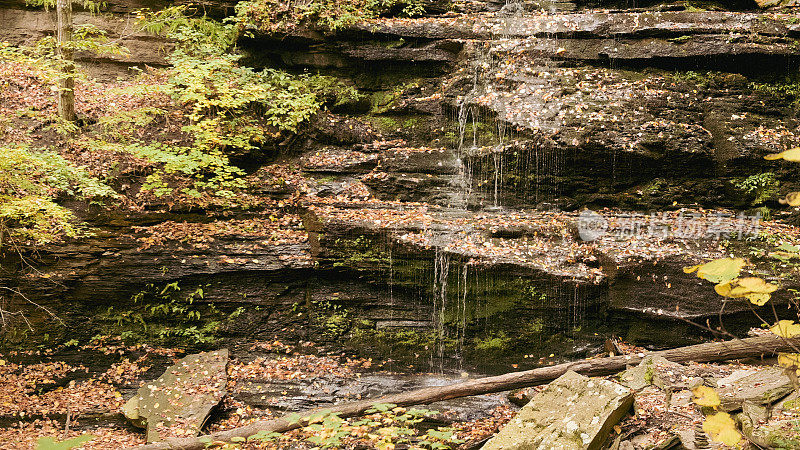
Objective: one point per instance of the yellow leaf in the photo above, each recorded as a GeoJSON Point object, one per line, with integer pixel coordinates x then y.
{"type": "Point", "coordinates": [786, 328]}
{"type": "Point", "coordinates": [718, 270]}
{"type": "Point", "coordinates": [721, 428]}
{"type": "Point", "coordinates": [789, 359]}
{"type": "Point", "coordinates": [791, 199]}
{"type": "Point", "coordinates": [690, 269]}
{"type": "Point", "coordinates": [706, 396]}
{"type": "Point", "coordinates": [755, 285]}
{"type": "Point", "coordinates": [723, 289]}
{"type": "Point", "coordinates": [792, 155]}
{"type": "Point", "coordinates": [758, 299]}
{"type": "Point", "coordinates": [753, 288]}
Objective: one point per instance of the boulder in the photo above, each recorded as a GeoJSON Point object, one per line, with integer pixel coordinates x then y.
{"type": "Point", "coordinates": [573, 412]}
{"type": "Point", "coordinates": [178, 402]}
{"type": "Point", "coordinates": [763, 387]}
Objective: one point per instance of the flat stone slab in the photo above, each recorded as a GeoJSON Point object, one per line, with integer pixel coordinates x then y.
{"type": "Point", "coordinates": [662, 373]}
{"type": "Point", "coordinates": [179, 401]}
{"type": "Point", "coordinates": [763, 387]}
{"type": "Point", "coordinates": [573, 412]}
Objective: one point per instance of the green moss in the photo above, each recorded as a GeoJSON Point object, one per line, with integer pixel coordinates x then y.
{"type": "Point", "coordinates": [787, 89]}
{"type": "Point", "coordinates": [496, 343]}
{"type": "Point", "coordinates": [325, 179]}
{"type": "Point", "coordinates": [359, 253]}
{"type": "Point", "coordinates": [681, 39]}
{"type": "Point", "coordinates": [411, 122]}
{"type": "Point", "coordinates": [779, 439]}
{"type": "Point", "coordinates": [404, 345]}
{"type": "Point", "coordinates": [650, 373]}
{"type": "Point", "coordinates": [384, 101]}
{"type": "Point", "coordinates": [386, 124]}
{"type": "Point", "coordinates": [337, 324]}
{"type": "Point", "coordinates": [700, 79]}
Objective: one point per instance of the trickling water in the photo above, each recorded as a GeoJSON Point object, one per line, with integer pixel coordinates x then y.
{"type": "Point", "coordinates": [441, 272]}
{"type": "Point", "coordinates": [462, 329]}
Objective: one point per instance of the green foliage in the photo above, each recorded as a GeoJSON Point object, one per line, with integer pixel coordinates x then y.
{"type": "Point", "coordinates": [194, 35]}
{"type": "Point", "coordinates": [211, 170]}
{"type": "Point", "coordinates": [227, 100]}
{"type": "Point", "coordinates": [93, 7]}
{"type": "Point", "coordinates": [787, 89]}
{"type": "Point", "coordinates": [700, 79]}
{"type": "Point", "coordinates": [230, 107]}
{"type": "Point", "coordinates": [44, 55]}
{"type": "Point", "coordinates": [761, 187]}
{"type": "Point", "coordinates": [336, 325]}
{"type": "Point", "coordinates": [48, 443]}
{"type": "Point", "coordinates": [277, 16]}
{"type": "Point", "coordinates": [385, 425]}
{"type": "Point", "coordinates": [30, 183]}
{"type": "Point", "coordinates": [123, 124]}
{"type": "Point", "coordinates": [164, 315]}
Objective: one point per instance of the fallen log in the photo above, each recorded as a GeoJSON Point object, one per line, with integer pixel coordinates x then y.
{"type": "Point", "coordinates": [712, 351]}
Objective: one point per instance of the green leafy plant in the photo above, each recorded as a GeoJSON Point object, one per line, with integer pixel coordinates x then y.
{"type": "Point", "coordinates": [273, 16]}
{"type": "Point", "coordinates": [788, 89]}
{"type": "Point", "coordinates": [48, 443]}
{"type": "Point", "coordinates": [164, 314]}
{"type": "Point", "coordinates": [53, 56]}
{"type": "Point", "coordinates": [231, 108]}
{"type": "Point", "coordinates": [30, 183]}
{"type": "Point", "coordinates": [760, 187]}
{"type": "Point", "coordinates": [384, 426]}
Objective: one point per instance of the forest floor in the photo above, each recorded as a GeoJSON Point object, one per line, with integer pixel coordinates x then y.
{"type": "Point", "coordinates": [46, 393]}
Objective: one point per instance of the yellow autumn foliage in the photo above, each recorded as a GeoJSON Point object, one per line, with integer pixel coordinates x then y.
{"type": "Point", "coordinates": [791, 199]}
{"type": "Point", "coordinates": [786, 328]}
{"type": "Point", "coordinates": [792, 155]}
{"type": "Point", "coordinates": [721, 428]}
{"type": "Point", "coordinates": [753, 288]}
{"type": "Point", "coordinates": [789, 359]}
{"type": "Point", "coordinates": [706, 396]}
{"type": "Point", "coordinates": [718, 270]}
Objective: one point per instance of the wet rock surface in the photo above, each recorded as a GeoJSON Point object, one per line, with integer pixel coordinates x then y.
{"type": "Point", "coordinates": [294, 395]}
{"type": "Point", "coordinates": [644, 274]}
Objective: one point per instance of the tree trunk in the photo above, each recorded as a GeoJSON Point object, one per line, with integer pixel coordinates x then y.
{"type": "Point", "coordinates": [713, 351]}
{"type": "Point", "coordinates": [66, 84]}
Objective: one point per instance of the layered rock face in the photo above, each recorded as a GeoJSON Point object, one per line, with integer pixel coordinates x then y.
{"type": "Point", "coordinates": [449, 201]}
